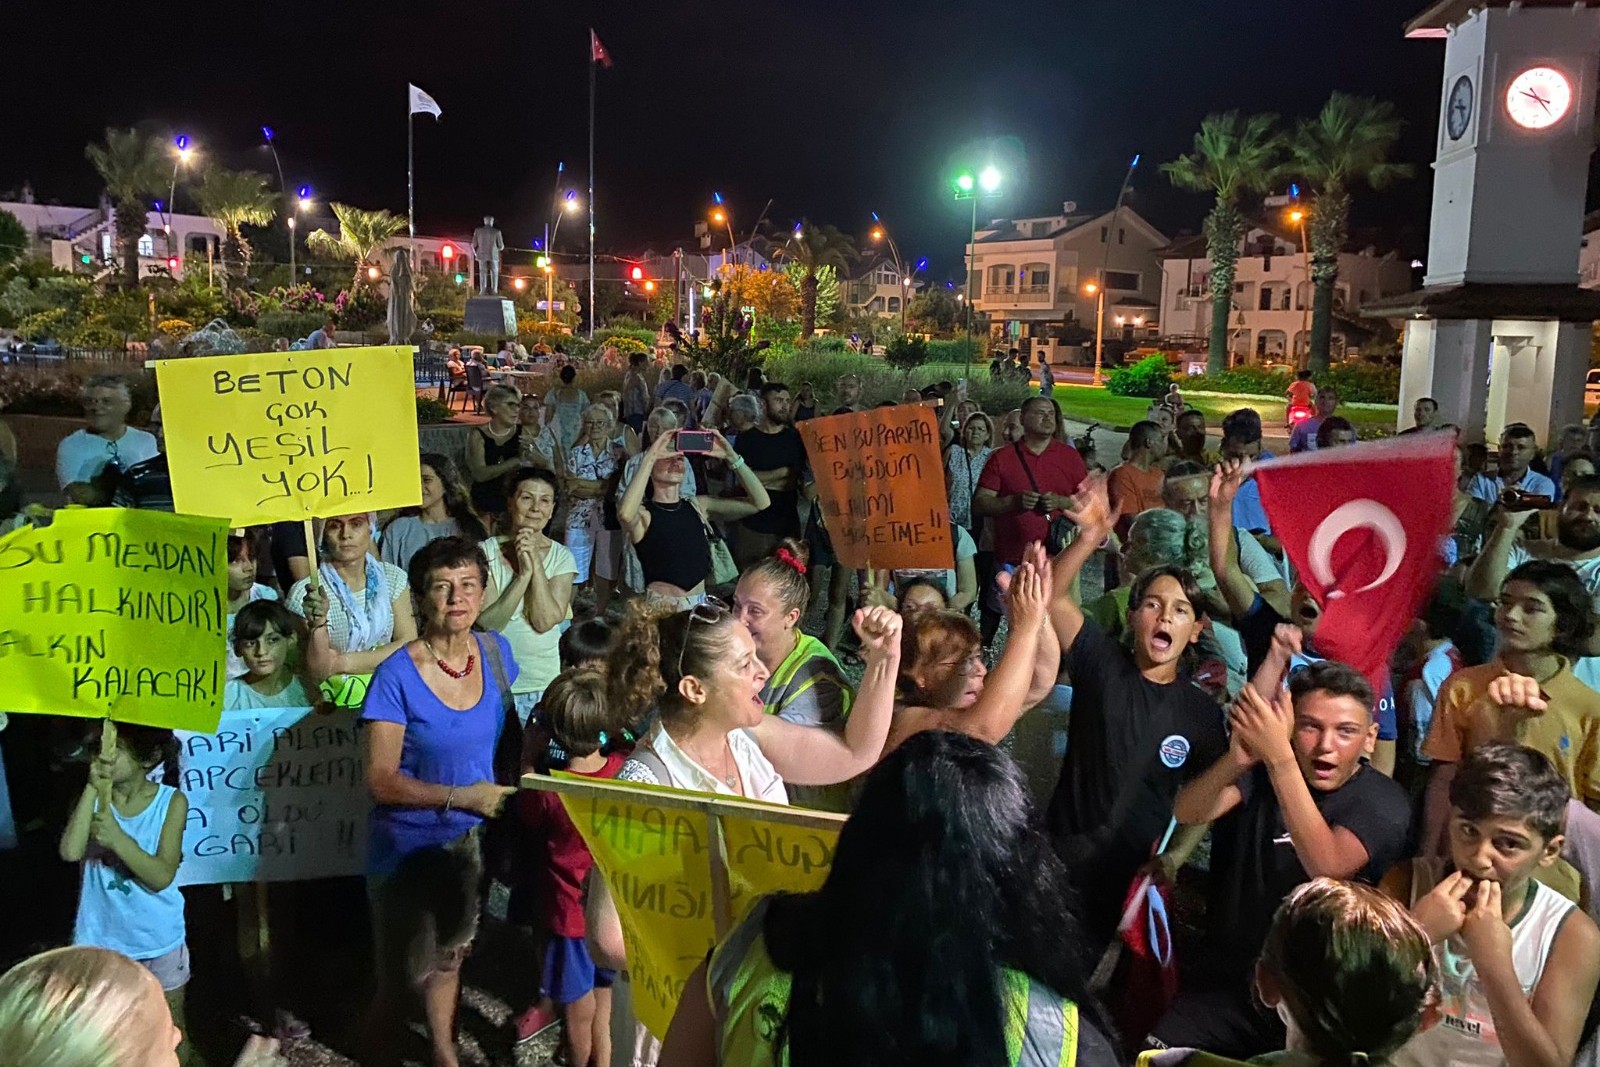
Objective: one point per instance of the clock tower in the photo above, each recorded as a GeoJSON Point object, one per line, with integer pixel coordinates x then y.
{"type": "Point", "coordinates": [1500, 331]}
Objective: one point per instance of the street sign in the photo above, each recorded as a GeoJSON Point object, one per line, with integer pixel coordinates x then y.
{"type": "Point", "coordinates": [544, 305]}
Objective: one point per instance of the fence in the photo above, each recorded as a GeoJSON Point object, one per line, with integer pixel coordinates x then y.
{"type": "Point", "coordinates": [53, 355]}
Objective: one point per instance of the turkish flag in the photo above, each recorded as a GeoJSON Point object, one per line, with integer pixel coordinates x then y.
{"type": "Point", "coordinates": [1362, 525]}
{"type": "Point", "coordinates": [597, 51]}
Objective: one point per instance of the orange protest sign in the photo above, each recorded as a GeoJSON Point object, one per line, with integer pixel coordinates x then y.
{"type": "Point", "coordinates": [880, 485]}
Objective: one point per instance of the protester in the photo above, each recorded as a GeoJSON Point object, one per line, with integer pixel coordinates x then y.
{"type": "Point", "coordinates": [496, 449]}
{"type": "Point", "coordinates": [244, 549]}
{"type": "Point", "coordinates": [591, 462]}
{"type": "Point", "coordinates": [1241, 442]}
{"type": "Point", "coordinates": [265, 638]}
{"type": "Point", "coordinates": [698, 671]}
{"type": "Point", "coordinates": [1515, 479]}
{"type": "Point", "coordinates": [777, 455]}
{"type": "Point", "coordinates": [847, 389]}
{"type": "Point", "coordinates": [1436, 659]}
{"type": "Point", "coordinates": [1190, 430]}
{"type": "Point", "coordinates": [435, 712]}
{"type": "Point", "coordinates": [1010, 427]}
{"type": "Point", "coordinates": [1023, 490]}
{"type": "Point", "coordinates": [1349, 972]}
{"type": "Point", "coordinates": [958, 582]}
{"type": "Point", "coordinates": [445, 511]}
{"type": "Point", "coordinates": [1135, 485]}
{"type": "Point", "coordinates": [1334, 432]}
{"type": "Point", "coordinates": [90, 459]}
{"type": "Point", "coordinates": [92, 1007]}
{"type": "Point", "coordinates": [870, 969]}
{"type": "Point", "coordinates": [943, 684]}
{"type": "Point", "coordinates": [555, 863]}
{"type": "Point", "coordinates": [1518, 962]}
{"type": "Point", "coordinates": [920, 594]}
{"type": "Point", "coordinates": [361, 611]}
{"type": "Point", "coordinates": [673, 542]}
{"type": "Point", "coordinates": [1528, 691]}
{"type": "Point", "coordinates": [530, 581]}
{"type": "Point", "coordinates": [1568, 443]}
{"type": "Point", "coordinates": [1138, 730]}
{"type": "Point", "coordinates": [1293, 770]}
{"type": "Point", "coordinates": [1423, 414]}
{"type": "Point", "coordinates": [127, 831]}
{"type": "Point", "coordinates": [147, 485]}
{"type": "Point", "coordinates": [1047, 377]}
{"type": "Point", "coordinates": [963, 467]}
{"type": "Point", "coordinates": [565, 405]}
{"type": "Point", "coordinates": [805, 684]}
{"type": "Point", "coordinates": [539, 445]}
{"type": "Point", "coordinates": [322, 336]}
{"type": "Point", "coordinates": [1304, 436]}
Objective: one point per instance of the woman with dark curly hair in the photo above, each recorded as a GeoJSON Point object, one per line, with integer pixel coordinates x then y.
{"type": "Point", "coordinates": [942, 937]}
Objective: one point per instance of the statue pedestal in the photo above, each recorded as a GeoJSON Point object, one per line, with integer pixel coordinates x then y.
{"type": "Point", "coordinates": [490, 314]}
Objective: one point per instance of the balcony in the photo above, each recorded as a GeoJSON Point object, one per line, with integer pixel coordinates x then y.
{"type": "Point", "coordinates": [1001, 296]}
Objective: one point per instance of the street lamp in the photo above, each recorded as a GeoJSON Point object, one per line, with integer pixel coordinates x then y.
{"type": "Point", "coordinates": [970, 187]}
{"type": "Point", "coordinates": [720, 217]}
{"type": "Point", "coordinates": [543, 263]}
{"type": "Point", "coordinates": [1298, 217]}
{"type": "Point", "coordinates": [1099, 285]}
{"type": "Point", "coordinates": [302, 202]}
{"type": "Point", "coordinates": [881, 233]}
{"type": "Point", "coordinates": [180, 158]}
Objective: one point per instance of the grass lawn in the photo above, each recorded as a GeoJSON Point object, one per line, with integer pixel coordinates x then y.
{"type": "Point", "coordinates": [1086, 403]}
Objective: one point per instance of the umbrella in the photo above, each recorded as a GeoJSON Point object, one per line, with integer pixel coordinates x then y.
{"type": "Point", "coordinates": [402, 302]}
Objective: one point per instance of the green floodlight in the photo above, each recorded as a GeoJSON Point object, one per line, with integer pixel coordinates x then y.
{"type": "Point", "coordinates": [964, 183]}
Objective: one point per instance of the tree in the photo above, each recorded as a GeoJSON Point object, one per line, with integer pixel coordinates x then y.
{"type": "Point", "coordinates": [1235, 158]}
{"type": "Point", "coordinates": [362, 235]}
{"type": "Point", "coordinates": [771, 294]}
{"type": "Point", "coordinates": [133, 166]}
{"type": "Point", "coordinates": [817, 249]}
{"type": "Point", "coordinates": [905, 353]}
{"type": "Point", "coordinates": [1347, 144]}
{"type": "Point", "coordinates": [13, 238]}
{"type": "Point", "coordinates": [934, 310]}
{"type": "Point", "coordinates": [234, 199]}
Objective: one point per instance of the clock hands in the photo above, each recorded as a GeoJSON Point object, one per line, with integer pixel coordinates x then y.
{"type": "Point", "coordinates": [1536, 98]}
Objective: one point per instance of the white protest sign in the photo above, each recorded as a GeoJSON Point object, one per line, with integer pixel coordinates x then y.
{"type": "Point", "coordinates": [276, 795]}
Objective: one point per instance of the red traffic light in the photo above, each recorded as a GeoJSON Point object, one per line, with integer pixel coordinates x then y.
{"type": "Point", "coordinates": [172, 262]}
{"type": "Point", "coordinates": [447, 252]}
{"type": "Point", "coordinates": [638, 273]}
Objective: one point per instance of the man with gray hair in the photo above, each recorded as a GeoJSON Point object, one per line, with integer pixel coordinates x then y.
{"type": "Point", "coordinates": [90, 460]}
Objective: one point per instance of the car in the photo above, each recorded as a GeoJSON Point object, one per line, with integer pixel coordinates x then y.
{"type": "Point", "coordinates": [1591, 387]}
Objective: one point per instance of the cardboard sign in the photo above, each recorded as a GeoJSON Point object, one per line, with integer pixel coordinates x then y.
{"type": "Point", "coordinates": [288, 436]}
{"type": "Point", "coordinates": [880, 485]}
{"type": "Point", "coordinates": [115, 612]}
{"type": "Point", "coordinates": [275, 795]}
{"type": "Point", "coordinates": [683, 868]}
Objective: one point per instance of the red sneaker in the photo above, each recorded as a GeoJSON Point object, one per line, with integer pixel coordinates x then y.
{"type": "Point", "coordinates": [535, 1021]}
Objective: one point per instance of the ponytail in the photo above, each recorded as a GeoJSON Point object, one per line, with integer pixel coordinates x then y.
{"type": "Point", "coordinates": [785, 571]}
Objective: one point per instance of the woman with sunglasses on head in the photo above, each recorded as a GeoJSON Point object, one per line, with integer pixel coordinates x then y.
{"type": "Point", "coordinates": [668, 530]}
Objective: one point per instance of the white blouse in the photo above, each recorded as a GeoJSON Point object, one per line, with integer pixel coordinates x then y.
{"type": "Point", "coordinates": [761, 781]}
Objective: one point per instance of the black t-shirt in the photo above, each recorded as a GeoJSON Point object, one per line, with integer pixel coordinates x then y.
{"type": "Point", "coordinates": [770, 452]}
{"type": "Point", "coordinates": [288, 540]}
{"type": "Point", "coordinates": [1254, 864]}
{"type": "Point", "coordinates": [1256, 628]}
{"type": "Point", "coordinates": [1131, 743]}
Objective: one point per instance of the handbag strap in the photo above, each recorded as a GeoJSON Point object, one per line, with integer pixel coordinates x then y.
{"type": "Point", "coordinates": [510, 725]}
{"type": "Point", "coordinates": [1026, 469]}
{"type": "Point", "coordinates": [712, 536]}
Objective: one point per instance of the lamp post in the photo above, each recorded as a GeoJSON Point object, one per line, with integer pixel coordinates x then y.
{"type": "Point", "coordinates": [1298, 217]}
{"type": "Point", "coordinates": [968, 187]}
{"type": "Point", "coordinates": [1105, 263]}
{"type": "Point", "coordinates": [180, 159]}
{"type": "Point", "coordinates": [1098, 291]}
{"type": "Point", "coordinates": [719, 216]}
{"type": "Point", "coordinates": [880, 232]}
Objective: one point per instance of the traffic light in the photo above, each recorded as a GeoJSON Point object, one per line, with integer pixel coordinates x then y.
{"type": "Point", "coordinates": [637, 274]}
{"type": "Point", "coordinates": [172, 263]}
{"type": "Point", "coordinates": [447, 252]}
{"type": "Point", "coordinates": [86, 259]}
{"type": "Point", "coordinates": [461, 279]}
{"type": "Point", "coordinates": [542, 262]}
{"type": "Point", "coordinates": [649, 286]}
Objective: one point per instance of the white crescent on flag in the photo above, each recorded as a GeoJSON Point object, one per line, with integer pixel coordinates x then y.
{"type": "Point", "coordinates": [1353, 515]}
{"type": "Point", "coordinates": [423, 104]}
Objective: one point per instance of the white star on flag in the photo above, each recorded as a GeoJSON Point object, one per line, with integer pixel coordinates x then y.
{"type": "Point", "coordinates": [423, 104]}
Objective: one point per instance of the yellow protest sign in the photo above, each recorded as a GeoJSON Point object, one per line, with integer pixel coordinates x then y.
{"type": "Point", "coordinates": [275, 436]}
{"type": "Point", "coordinates": [109, 611]}
{"type": "Point", "coordinates": [683, 868]}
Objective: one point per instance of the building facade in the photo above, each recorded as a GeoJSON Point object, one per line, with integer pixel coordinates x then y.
{"type": "Point", "coordinates": [67, 234]}
{"type": "Point", "coordinates": [876, 287]}
{"type": "Point", "coordinates": [1270, 317]}
{"type": "Point", "coordinates": [1037, 280]}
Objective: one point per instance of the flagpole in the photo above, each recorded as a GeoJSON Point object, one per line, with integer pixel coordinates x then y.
{"type": "Point", "coordinates": [411, 182]}
{"type": "Point", "coordinates": [593, 62]}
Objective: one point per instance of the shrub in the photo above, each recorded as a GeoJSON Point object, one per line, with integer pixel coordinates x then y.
{"type": "Point", "coordinates": [446, 321]}
{"type": "Point", "coordinates": [955, 351]}
{"type": "Point", "coordinates": [431, 410]}
{"type": "Point", "coordinates": [1358, 383]}
{"type": "Point", "coordinates": [94, 335]}
{"type": "Point", "coordinates": [906, 353]}
{"type": "Point", "coordinates": [295, 325]}
{"type": "Point", "coordinates": [46, 325]}
{"type": "Point", "coordinates": [628, 345]}
{"type": "Point", "coordinates": [1149, 377]}
{"type": "Point", "coordinates": [175, 327]}
{"type": "Point", "coordinates": [359, 310]}
{"type": "Point", "coordinates": [617, 334]}
{"type": "Point", "coordinates": [879, 381]}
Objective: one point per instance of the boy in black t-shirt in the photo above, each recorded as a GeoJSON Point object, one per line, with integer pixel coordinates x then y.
{"type": "Point", "coordinates": [1292, 800]}
{"type": "Point", "coordinates": [1138, 729]}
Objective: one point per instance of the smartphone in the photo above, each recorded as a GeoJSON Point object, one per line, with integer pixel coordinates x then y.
{"type": "Point", "coordinates": [695, 441]}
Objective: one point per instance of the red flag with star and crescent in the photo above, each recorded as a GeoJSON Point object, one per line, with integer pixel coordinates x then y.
{"type": "Point", "coordinates": [1363, 525]}
{"type": "Point", "coordinates": [597, 51]}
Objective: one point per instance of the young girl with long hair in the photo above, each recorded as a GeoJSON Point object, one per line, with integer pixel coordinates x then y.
{"type": "Point", "coordinates": [445, 511]}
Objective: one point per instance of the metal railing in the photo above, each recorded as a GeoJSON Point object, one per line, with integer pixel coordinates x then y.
{"type": "Point", "coordinates": [54, 355]}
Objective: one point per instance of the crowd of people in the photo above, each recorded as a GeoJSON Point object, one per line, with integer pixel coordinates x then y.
{"type": "Point", "coordinates": [639, 586]}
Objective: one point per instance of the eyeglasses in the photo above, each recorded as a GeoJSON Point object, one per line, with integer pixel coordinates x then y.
{"type": "Point", "coordinates": [711, 610]}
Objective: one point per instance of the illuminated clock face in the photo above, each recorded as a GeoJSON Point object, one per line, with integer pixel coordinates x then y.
{"type": "Point", "coordinates": [1538, 97]}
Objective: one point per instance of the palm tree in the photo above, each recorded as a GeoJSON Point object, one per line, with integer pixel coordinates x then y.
{"type": "Point", "coordinates": [1234, 159]}
{"type": "Point", "coordinates": [132, 165]}
{"type": "Point", "coordinates": [1347, 144]}
{"type": "Point", "coordinates": [813, 248]}
{"type": "Point", "coordinates": [234, 199]}
{"type": "Point", "coordinates": [362, 235]}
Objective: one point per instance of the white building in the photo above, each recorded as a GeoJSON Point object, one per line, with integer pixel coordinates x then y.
{"type": "Point", "coordinates": [1030, 277]}
{"type": "Point", "coordinates": [1270, 321]}
{"type": "Point", "coordinates": [876, 287]}
{"type": "Point", "coordinates": [68, 234]}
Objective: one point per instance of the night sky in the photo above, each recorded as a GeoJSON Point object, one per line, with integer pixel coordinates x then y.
{"type": "Point", "coordinates": [831, 109]}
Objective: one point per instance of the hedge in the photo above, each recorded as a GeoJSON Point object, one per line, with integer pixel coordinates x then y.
{"type": "Point", "coordinates": [1358, 383]}
{"type": "Point", "coordinates": [1150, 377]}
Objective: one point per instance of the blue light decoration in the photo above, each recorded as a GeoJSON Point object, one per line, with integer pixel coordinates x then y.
{"type": "Point", "coordinates": [922, 264]}
{"type": "Point", "coordinates": [304, 192]}
{"type": "Point", "coordinates": [716, 197]}
{"type": "Point", "coordinates": [537, 244]}
{"type": "Point", "coordinates": [764, 266]}
{"type": "Point", "coordinates": [1294, 190]}
{"type": "Point", "coordinates": [266, 131]}
{"type": "Point", "coordinates": [158, 205]}
{"type": "Point", "coordinates": [1136, 157]}
{"type": "Point", "coordinates": [560, 166]}
{"type": "Point", "coordinates": [950, 285]}
{"type": "Point", "coordinates": [182, 142]}
{"type": "Point", "coordinates": [875, 217]}
{"type": "Point", "coordinates": [572, 196]}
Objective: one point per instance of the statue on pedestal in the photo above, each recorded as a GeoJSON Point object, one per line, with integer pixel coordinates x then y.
{"type": "Point", "coordinates": [487, 244]}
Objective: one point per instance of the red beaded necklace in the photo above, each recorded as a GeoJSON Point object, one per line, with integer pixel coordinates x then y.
{"type": "Point", "coordinates": [449, 670]}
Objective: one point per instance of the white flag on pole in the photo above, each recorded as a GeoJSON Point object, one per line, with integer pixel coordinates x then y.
{"type": "Point", "coordinates": [423, 104]}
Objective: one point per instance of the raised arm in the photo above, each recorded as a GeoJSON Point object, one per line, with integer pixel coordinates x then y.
{"type": "Point", "coordinates": [1237, 590]}
{"type": "Point", "coordinates": [1488, 572]}
{"type": "Point", "coordinates": [1092, 512]}
{"type": "Point", "coordinates": [726, 509]}
{"type": "Point", "coordinates": [630, 508]}
{"type": "Point", "coordinates": [824, 755]}
{"type": "Point", "coordinates": [1008, 692]}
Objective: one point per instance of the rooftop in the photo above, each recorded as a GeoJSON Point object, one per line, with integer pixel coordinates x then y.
{"type": "Point", "coordinates": [1436, 20]}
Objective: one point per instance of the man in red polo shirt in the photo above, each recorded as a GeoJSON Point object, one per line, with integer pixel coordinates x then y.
{"type": "Point", "coordinates": [1026, 484]}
